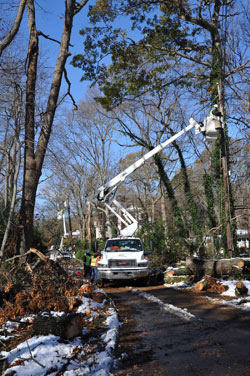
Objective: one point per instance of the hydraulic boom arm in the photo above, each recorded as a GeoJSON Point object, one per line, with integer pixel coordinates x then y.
{"type": "Point", "coordinates": [106, 192]}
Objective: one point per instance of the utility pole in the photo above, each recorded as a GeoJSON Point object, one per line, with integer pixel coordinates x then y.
{"type": "Point", "coordinates": [226, 183]}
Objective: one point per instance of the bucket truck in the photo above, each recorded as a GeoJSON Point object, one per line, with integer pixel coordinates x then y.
{"type": "Point", "coordinates": [124, 257]}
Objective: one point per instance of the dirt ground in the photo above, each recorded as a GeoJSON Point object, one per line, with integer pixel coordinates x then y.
{"type": "Point", "coordinates": [155, 342]}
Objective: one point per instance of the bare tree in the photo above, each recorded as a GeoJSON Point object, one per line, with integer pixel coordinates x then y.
{"type": "Point", "coordinates": [80, 161]}
{"type": "Point", "coordinates": [11, 141]}
{"type": "Point", "coordinates": [35, 152]}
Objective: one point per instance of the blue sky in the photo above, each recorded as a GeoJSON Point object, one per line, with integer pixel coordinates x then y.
{"type": "Point", "coordinates": [50, 18]}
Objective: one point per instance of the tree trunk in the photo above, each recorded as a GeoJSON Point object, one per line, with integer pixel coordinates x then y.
{"type": "Point", "coordinates": [108, 225]}
{"type": "Point", "coordinates": [13, 202]}
{"type": "Point", "coordinates": [163, 209]}
{"type": "Point", "coordinates": [89, 237]}
{"type": "Point", "coordinates": [192, 207]}
{"type": "Point", "coordinates": [33, 161]}
{"type": "Point", "coordinates": [213, 268]}
{"type": "Point", "coordinates": [31, 173]}
{"type": "Point", "coordinates": [182, 270]}
{"type": "Point", "coordinates": [177, 218]}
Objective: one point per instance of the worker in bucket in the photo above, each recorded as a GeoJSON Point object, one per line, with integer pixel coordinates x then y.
{"type": "Point", "coordinates": [94, 271]}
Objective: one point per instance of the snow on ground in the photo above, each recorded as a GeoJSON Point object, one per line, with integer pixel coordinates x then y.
{"type": "Point", "coordinates": [51, 355]}
{"type": "Point", "coordinates": [43, 355]}
{"type": "Point", "coordinates": [180, 312]}
{"type": "Point", "coordinates": [242, 302]}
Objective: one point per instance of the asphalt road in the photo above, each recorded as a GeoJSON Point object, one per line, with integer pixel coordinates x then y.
{"type": "Point", "coordinates": [155, 342]}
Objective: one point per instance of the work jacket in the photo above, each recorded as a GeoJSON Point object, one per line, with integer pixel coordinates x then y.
{"type": "Point", "coordinates": [87, 260]}
{"type": "Point", "coordinates": [94, 260]}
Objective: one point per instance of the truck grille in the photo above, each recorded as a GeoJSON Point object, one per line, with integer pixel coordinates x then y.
{"type": "Point", "coordinates": [122, 263]}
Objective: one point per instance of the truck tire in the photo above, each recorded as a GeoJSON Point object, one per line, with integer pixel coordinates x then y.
{"type": "Point", "coordinates": [145, 281]}
{"type": "Point", "coordinates": [101, 283]}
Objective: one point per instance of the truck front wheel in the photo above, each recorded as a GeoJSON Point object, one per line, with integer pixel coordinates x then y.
{"type": "Point", "coordinates": [145, 281]}
{"type": "Point", "coordinates": [101, 282]}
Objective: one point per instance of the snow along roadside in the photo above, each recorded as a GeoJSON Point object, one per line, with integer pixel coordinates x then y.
{"type": "Point", "coordinates": [182, 313]}
{"type": "Point", "coordinates": [51, 355]}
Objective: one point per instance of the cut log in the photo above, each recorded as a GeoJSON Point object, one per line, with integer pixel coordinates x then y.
{"type": "Point", "coordinates": [240, 289]}
{"type": "Point", "coordinates": [183, 270]}
{"type": "Point", "coordinates": [221, 288]}
{"type": "Point", "coordinates": [169, 273]}
{"type": "Point", "coordinates": [243, 264]}
{"type": "Point", "coordinates": [65, 326]}
{"type": "Point", "coordinates": [214, 268]}
{"type": "Point", "coordinates": [201, 285]}
{"type": "Point", "coordinates": [210, 284]}
{"type": "Point", "coordinates": [176, 279]}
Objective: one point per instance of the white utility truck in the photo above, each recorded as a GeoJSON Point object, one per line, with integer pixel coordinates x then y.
{"type": "Point", "coordinates": [124, 257]}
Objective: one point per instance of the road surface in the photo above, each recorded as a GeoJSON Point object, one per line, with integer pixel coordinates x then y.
{"type": "Point", "coordinates": [153, 341]}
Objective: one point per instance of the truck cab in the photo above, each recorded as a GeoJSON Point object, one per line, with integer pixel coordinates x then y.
{"type": "Point", "coordinates": [123, 259]}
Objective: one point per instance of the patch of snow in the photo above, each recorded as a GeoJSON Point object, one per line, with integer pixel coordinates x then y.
{"type": "Point", "coordinates": [51, 355]}
{"type": "Point", "coordinates": [178, 285]}
{"type": "Point", "coordinates": [231, 287]}
{"type": "Point", "coordinates": [182, 313]}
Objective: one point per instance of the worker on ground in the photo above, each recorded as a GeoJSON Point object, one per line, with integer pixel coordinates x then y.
{"type": "Point", "coordinates": [94, 271]}
{"type": "Point", "coordinates": [87, 267]}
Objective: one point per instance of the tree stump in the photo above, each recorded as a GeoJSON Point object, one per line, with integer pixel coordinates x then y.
{"type": "Point", "coordinates": [65, 326]}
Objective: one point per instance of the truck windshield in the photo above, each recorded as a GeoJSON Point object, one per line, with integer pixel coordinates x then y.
{"type": "Point", "coordinates": [123, 245]}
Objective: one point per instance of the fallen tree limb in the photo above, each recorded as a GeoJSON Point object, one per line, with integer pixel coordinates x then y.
{"type": "Point", "coordinates": [32, 250]}
{"type": "Point", "coordinates": [32, 357]}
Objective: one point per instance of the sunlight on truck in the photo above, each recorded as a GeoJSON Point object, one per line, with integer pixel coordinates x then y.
{"type": "Point", "coordinates": [123, 259]}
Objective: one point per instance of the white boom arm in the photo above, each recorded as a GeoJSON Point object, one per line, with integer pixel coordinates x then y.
{"type": "Point", "coordinates": [209, 128]}
{"type": "Point", "coordinates": [128, 220]}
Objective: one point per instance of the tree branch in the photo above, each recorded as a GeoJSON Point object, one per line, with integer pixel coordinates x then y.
{"type": "Point", "coordinates": [80, 5]}
{"type": "Point", "coordinates": [32, 250]}
{"type": "Point", "coordinates": [69, 86]}
{"type": "Point", "coordinates": [39, 32]}
{"type": "Point", "coordinates": [237, 69]}
{"type": "Point", "coordinates": [10, 36]}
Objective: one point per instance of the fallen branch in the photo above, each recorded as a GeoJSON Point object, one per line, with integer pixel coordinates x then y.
{"type": "Point", "coordinates": [31, 357]}
{"type": "Point", "coordinates": [32, 250]}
